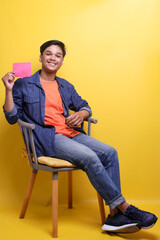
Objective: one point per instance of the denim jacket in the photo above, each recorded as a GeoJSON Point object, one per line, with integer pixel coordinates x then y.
{"type": "Point", "coordinates": [29, 105]}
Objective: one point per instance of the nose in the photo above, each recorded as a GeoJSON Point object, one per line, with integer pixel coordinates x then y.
{"type": "Point", "coordinates": [52, 57]}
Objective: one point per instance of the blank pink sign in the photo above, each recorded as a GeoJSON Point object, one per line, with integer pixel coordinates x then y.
{"type": "Point", "coordinates": [22, 69]}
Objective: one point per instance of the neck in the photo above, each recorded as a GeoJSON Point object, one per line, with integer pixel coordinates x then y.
{"type": "Point", "coordinates": [47, 76]}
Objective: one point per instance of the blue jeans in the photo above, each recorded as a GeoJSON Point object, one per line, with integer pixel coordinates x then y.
{"type": "Point", "coordinates": [98, 160]}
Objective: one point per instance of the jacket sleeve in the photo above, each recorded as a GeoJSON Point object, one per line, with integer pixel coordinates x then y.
{"type": "Point", "coordinates": [78, 103]}
{"type": "Point", "coordinates": [17, 110]}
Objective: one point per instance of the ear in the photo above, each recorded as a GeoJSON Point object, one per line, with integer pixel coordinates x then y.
{"type": "Point", "coordinates": [40, 58]}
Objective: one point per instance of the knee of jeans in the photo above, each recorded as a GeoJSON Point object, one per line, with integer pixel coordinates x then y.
{"type": "Point", "coordinates": [111, 155]}
{"type": "Point", "coordinates": [91, 160]}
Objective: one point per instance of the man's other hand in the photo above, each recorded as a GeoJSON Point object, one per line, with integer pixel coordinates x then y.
{"type": "Point", "coordinates": [75, 119]}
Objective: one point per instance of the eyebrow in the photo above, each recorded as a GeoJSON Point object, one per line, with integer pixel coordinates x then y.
{"type": "Point", "coordinates": [51, 52]}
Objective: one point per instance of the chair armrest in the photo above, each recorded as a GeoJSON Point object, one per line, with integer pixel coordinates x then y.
{"type": "Point", "coordinates": [91, 120]}
{"type": "Point", "coordinates": [32, 126]}
{"type": "Point", "coordinates": [26, 124]}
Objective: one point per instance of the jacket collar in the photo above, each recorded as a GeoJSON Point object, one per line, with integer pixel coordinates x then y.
{"type": "Point", "coordinates": [35, 79]}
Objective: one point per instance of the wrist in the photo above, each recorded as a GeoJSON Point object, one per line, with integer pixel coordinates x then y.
{"type": "Point", "coordinates": [85, 114]}
{"type": "Point", "coordinates": [8, 91]}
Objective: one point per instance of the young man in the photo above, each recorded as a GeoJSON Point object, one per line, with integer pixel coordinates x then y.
{"type": "Point", "coordinates": [45, 99]}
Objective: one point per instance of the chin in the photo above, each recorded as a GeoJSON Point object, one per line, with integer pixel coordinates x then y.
{"type": "Point", "coordinates": [48, 70]}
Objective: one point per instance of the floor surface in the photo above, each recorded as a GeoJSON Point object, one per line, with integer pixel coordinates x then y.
{"type": "Point", "coordinates": [81, 222]}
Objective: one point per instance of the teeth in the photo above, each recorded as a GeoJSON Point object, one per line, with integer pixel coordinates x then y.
{"type": "Point", "coordinates": [52, 63]}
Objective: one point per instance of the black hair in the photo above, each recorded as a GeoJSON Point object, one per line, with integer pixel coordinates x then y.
{"type": "Point", "coordinates": [53, 42]}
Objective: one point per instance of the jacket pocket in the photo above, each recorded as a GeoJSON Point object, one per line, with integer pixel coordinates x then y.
{"type": "Point", "coordinates": [32, 107]}
{"type": "Point", "coordinates": [31, 99]}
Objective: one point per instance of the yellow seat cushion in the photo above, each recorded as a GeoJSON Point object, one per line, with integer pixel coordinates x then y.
{"type": "Point", "coordinates": [54, 162]}
{"type": "Point", "coordinates": [49, 161]}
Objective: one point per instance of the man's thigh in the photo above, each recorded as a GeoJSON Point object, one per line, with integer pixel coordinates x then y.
{"type": "Point", "coordinates": [95, 145]}
{"type": "Point", "coordinates": [73, 151]}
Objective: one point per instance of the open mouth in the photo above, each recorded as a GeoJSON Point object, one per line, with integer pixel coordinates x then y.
{"type": "Point", "coordinates": [51, 64]}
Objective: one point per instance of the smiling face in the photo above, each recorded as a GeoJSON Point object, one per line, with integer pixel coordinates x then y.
{"type": "Point", "coordinates": [51, 59]}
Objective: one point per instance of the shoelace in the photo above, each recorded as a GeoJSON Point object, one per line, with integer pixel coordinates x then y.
{"type": "Point", "coordinates": [135, 213]}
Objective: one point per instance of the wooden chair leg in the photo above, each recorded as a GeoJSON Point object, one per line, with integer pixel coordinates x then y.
{"type": "Point", "coordinates": [101, 208]}
{"type": "Point", "coordinates": [55, 204]}
{"type": "Point", "coordinates": [69, 189]}
{"type": "Point", "coordinates": [28, 194]}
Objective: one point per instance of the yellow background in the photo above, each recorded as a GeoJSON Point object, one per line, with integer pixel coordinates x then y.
{"type": "Point", "coordinates": [113, 59]}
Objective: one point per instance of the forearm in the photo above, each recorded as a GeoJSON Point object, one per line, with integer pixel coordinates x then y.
{"type": "Point", "coordinates": [9, 103]}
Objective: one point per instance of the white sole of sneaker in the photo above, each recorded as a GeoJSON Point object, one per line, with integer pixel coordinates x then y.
{"type": "Point", "coordinates": [128, 228]}
{"type": "Point", "coordinates": [148, 226]}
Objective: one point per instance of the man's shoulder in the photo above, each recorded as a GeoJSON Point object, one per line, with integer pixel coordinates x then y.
{"type": "Point", "coordinates": [64, 82]}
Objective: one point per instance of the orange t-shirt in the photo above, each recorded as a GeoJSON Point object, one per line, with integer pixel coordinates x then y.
{"type": "Point", "coordinates": [54, 109]}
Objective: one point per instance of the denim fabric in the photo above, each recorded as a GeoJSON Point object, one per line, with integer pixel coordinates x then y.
{"type": "Point", "coordinates": [98, 160]}
{"type": "Point", "coordinates": [29, 100]}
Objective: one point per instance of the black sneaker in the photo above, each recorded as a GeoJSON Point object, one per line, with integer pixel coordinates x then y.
{"type": "Point", "coordinates": [120, 224]}
{"type": "Point", "coordinates": [146, 219]}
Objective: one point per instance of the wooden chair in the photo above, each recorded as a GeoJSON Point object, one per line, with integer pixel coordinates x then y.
{"type": "Point", "coordinates": [54, 166]}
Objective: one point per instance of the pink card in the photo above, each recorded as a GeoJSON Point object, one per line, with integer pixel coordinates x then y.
{"type": "Point", "coordinates": [22, 69]}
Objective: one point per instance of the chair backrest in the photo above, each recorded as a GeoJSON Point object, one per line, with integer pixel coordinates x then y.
{"type": "Point", "coordinates": [27, 134]}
